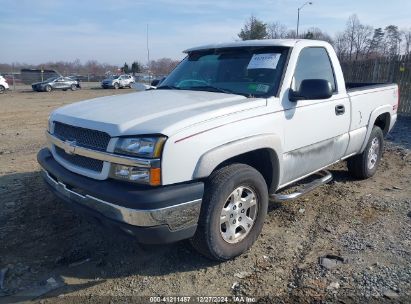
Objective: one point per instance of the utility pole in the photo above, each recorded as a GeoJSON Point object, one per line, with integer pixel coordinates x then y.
{"type": "Point", "coordinates": [12, 75]}
{"type": "Point", "coordinates": [298, 14]}
{"type": "Point", "coordinates": [148, 54]}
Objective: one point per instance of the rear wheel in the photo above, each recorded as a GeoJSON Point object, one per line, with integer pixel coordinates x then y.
{"type": "Point", "coordinates": [364, 165]}
{"type": "Point", "coordinates": [48, 88]}
{"type": "Point", "coordinates": [2, 89]}
{"type": "Point", "coordinates": [232, 213]}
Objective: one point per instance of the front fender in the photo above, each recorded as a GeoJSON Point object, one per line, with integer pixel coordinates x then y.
{"type": "Point", "coordinates": [210, 160]}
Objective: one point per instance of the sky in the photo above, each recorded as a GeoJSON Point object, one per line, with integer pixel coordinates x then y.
{"type": "Point", "coordinates": [114, 31]}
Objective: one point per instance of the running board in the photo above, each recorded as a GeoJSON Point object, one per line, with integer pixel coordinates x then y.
{"type": "Point", "coordinates": [325, 178]}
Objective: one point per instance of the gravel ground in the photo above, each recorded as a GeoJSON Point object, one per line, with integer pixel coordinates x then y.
{"type": "Point", "coordinates": [50, 254]}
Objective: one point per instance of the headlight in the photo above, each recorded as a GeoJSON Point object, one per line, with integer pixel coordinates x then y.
{"type": "Point", "coordinates": [49, 124]}
{"type": "Point", "coordinates": [149, 147]}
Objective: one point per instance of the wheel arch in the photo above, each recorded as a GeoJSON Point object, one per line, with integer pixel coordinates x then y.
{"type": "Point", "coordinates": [380, 117]}
{"type": "Point", "coordinates": [260, 152]}
{"type": "Point", "coordinates": [383, 121]}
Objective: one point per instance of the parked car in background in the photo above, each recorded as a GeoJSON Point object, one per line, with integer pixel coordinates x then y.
{"type": "Point", "coordinates": [3, 85]}
{"type": "Point", "coordinates": [118, 81]}
{"type": "Point", "coordinates": [76, 78]}
{"type": "Point", "coordinates": [56, 83]}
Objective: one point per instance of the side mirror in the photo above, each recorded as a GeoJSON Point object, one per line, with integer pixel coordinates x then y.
{"type": "Point", "coordinates": [312, 89]}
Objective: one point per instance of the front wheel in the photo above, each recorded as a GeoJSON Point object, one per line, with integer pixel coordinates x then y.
{"type": "Point", "coordinates": [232, 213]}
{"type": "Point", "coordinates": [116, 86]}
{"type": "Point", "coordinates": [364, 165]}
{"type": "Point", "coordinates": [73, 87]}
{"type": "Point", "coordinates": [2, 89]}
{"type": "Point", "coordinates": [48, 88]}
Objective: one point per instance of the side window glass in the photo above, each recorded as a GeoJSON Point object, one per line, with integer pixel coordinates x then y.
{"type": "Point", "coordinates": [313, 63]}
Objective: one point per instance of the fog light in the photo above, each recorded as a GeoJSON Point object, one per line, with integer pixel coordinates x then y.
{"type": "Point", "coordinates": [133, 174]}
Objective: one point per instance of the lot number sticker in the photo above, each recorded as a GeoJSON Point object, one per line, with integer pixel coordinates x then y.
{"type": "Point", "coordinates": [264, 61]}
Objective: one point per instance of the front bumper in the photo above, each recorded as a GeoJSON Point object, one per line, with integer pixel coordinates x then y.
{"type": "Point", "coordinates": [38, 88]}
{"type": "Point", "coordinates": [107, 85]}
{"type": "Point", "coordinates": [152, 214]}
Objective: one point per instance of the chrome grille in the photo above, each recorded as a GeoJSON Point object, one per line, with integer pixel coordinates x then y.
{"type": "Point", "coordinates": [86, 138]}
{"type": "Point", "coordinates": [80, 161]}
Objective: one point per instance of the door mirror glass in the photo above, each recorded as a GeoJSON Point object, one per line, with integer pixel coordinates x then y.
{"type": "Point", "coordinates": [312, 89]}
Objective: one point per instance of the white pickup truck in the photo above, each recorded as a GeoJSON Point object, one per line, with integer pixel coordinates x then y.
{"type": "Point", "coordinates": [200, 157]}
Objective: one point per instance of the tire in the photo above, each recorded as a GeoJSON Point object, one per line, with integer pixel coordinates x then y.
{"type": "Point", "coordinates": [364, 165]}
{"type": "Point", "coordinates": [116, 86]}
{"type": "Point", "coordinates": [48, 88]}
{"type": "Point", "coordinates": [214, 238]}
{"type": "Point", "coordinates": [73, 87]}
{"type": "Point", "coordinates": [2, 89]}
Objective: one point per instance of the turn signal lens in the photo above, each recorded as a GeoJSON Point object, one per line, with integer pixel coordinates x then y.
{"type": "Point", "coordinates": [155, 176]}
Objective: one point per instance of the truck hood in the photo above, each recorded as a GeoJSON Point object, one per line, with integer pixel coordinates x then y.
{"type": "Point", "coordinates": [152, 112]}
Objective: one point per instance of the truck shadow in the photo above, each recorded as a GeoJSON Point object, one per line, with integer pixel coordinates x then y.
{"type": "Point", "coordinates": [41, 238]}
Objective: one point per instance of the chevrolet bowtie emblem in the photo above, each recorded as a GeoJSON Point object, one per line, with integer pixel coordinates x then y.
{"type": "Point", "coordinates": [69, 146]}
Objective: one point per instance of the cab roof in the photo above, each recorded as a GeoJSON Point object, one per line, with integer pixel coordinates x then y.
{"type": "Point", "coordinates": [256, 43]}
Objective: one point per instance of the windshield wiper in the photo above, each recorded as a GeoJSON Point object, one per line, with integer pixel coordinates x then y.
{"type": "Point", "coordinates": [215, 89]}
{"type": "Point", "coordinates": [168, 87]}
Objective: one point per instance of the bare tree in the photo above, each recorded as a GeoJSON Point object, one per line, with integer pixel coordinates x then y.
{"type": "Point", "coordinates": [291, 34]}
{"type": "Point", "coordinates": [341, 46]}
{"type": "Point", "coordinates": [276, 30]}
{"type": "Point", "coordinates": [162, 66]}
{"type": "Point", "coordinates": [407, 41]}
{"type": "Point", "coordinates": [362, 40]}
{"type": "Point", "coordinates": [351, 29]}
{"type": "Point", "coordinates": [317, 34]}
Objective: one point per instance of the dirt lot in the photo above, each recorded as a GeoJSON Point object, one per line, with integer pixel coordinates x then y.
{"type": "Point", "coordinates": [43, 245]}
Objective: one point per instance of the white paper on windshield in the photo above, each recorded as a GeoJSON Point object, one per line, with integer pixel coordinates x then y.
{"type": "Point", "coordinates": [264, 61]}
{"type": "Point", "coordinates": [262, 88]}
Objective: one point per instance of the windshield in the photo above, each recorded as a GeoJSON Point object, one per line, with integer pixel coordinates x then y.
{"type": "Point", "coordinates": [113, 77]}
{"type": "Point", "coordinates": [252, 72]}
{"type": "Point", "coordinates": [51, 79]}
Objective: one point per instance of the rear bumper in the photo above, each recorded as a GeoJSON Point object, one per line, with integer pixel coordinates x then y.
{"type": "Point", "coordinates": [153, 215]}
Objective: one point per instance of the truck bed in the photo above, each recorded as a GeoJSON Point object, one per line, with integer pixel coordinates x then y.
{"type": "Point", "coordinates": [358, 86]}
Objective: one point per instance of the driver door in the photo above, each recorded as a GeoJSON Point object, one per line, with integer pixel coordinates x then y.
{"type": "Point", "coordinates": [58, 83]}
{"type": "Point", "coordinates": [315, 131]}
{"type": "Point", "coordinates": [122, 81]}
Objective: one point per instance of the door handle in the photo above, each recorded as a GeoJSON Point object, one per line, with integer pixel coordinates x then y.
{"type": "Point", "coordinates": [339, 110]}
